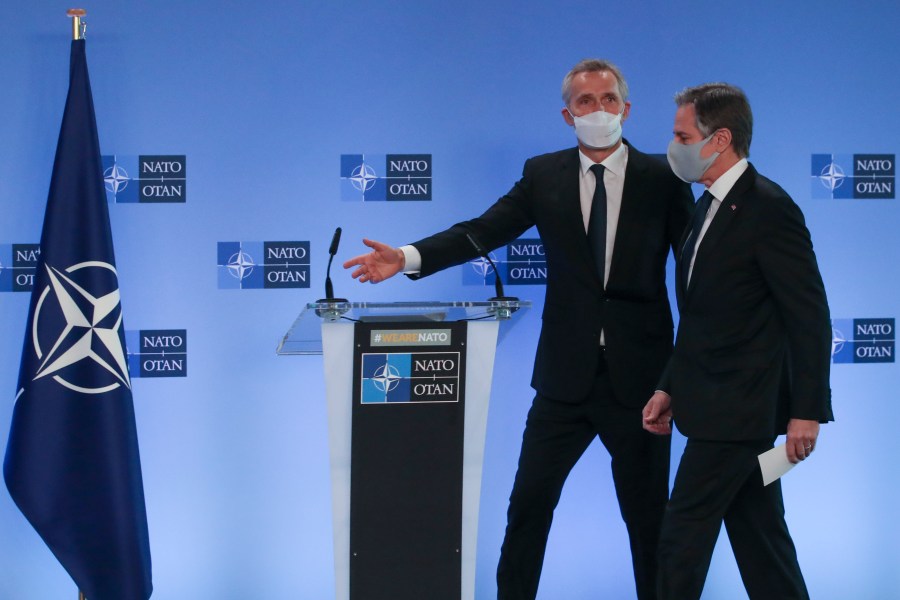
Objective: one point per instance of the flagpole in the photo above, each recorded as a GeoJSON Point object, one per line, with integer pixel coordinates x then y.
{"type": "Point", "coordinates": [78, 27]}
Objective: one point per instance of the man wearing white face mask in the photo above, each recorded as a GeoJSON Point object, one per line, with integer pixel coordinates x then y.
{"type": "Point", "coordinates": [608, 216]}
{"type": "Point", "coordinates": [751, 360]}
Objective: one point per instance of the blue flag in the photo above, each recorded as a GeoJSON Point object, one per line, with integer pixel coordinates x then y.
{"type": "Point", "coordinates": [72, 463]}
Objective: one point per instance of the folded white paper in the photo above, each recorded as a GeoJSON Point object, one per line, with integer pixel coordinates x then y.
{"type": "Point", "coordinates": [774, 463]}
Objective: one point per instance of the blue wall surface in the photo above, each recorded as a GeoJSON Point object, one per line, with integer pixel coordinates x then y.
{"type": "Point", "coordinates": [263, 99]}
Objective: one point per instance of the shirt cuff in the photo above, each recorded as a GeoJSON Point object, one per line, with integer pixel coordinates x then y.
{"type": "Point", "coordinates": [413, 259]}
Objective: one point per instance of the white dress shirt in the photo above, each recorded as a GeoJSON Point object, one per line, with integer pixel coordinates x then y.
{"type": "Point", "coordinates": [613, 179]}
{"type": "Point", "coordinates": [719, 189]}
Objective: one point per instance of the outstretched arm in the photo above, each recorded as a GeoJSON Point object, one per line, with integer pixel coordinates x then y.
{"type": "Point", "coordinates": [383, 262]}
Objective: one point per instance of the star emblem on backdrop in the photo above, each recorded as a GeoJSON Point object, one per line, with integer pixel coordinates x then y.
{"type": "Point", "coordinates": [363, 177]}
{"type": "Point", "coordinates": [116, 179]}
{"type": "Point", "coordinates": [832, 176]}
{"type": "Point", "coordinates": [240, 265]}
{"type": "Point", "coordinates": [482, 266]}
{"type": "Point", "coordinates": [837, 341]}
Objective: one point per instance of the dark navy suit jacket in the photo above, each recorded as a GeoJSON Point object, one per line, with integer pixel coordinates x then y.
{"type": "Point", "coordinates": [633, 311]}
{"type": "Point", "coordinates": [754, 339]}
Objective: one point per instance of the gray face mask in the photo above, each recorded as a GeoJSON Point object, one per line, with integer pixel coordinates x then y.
{"type": "Point", "coordinates": [686, 162]}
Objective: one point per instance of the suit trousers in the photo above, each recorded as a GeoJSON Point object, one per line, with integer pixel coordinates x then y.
{"type": "Point", "coordinates": [556, 435]}
{"type": "Point", "coordinates": [716, 482]}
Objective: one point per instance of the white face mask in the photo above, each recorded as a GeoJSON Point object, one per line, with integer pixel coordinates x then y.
{"type": "Point", "coordinates": [686, 162]}
{"type": "Point", "coordinates": [598, 130]}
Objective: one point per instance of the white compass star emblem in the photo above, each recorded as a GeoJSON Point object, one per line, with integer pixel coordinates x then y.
{"type": "Point", "coordinates": [116, 179]}
{"type": "Point", "coordinates": [363, 177]}
{"type": "Point", "coordinates": [240, 265]}
{"type": "Point", "coordinates": [832, 176]}
{"type": "Point", "coordinates": [837, 341]}
{"type": "Point", "coordinates": [386, 378]}
{"type": "Point", "coordinates": [482, 266]}
{"type": "Point", "coordinates": [91, 330]}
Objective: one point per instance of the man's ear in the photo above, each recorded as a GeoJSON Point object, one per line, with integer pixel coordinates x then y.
{"type": "Point", "coordinates": [722, 139]}
{"type": "Point", "coordinates": [567, 116]}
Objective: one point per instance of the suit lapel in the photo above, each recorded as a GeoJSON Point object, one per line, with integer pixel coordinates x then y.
{"type": "Point", "coordinates": [629, 210]}
{"type": "Point", "coordinates": [570, 200]}
{"type": "Point", "coordinates": [728, 210]}
{"type": "Point", "coordinates": [570, 194]}
{"type": "Point", "coordinates": [680, 266]}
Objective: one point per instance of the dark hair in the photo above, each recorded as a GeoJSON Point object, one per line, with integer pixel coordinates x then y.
{"type": "Point", "coordinates": [721, 106]}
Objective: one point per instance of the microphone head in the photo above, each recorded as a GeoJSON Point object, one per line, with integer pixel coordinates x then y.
{"type": "Point", "coordinates": [332, 250]}
{"type": "Point", "coordinates": [335, 241]}
{"type": "Point", "coordinates": [476, 244]}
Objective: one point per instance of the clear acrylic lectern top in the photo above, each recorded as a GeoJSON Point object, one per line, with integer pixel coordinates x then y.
{"type": "Point", "coordinates": [305, 335]}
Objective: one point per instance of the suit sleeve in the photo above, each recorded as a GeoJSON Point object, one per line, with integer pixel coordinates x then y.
{"type": "Point", "coordinates": [500, 224]}
{"type": "Point", "coordinates": [788, 265]}
{"type": "Point", "coordinates": [680, 208]}
{"type": "Point", "coordinates": [664, 381]}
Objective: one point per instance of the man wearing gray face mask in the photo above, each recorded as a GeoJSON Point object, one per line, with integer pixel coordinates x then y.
{"type": "Point", "coordinates": [751, 361]}
{"type": "Point", "coordinates": [607, 215]}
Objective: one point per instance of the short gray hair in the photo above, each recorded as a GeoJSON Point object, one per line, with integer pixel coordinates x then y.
{"type": "Point", "coordinates": [721, 106]}
{"type": "Point", "coordinates": [592, 65]}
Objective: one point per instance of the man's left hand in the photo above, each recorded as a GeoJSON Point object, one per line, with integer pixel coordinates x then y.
{"type": "Point", "coordinates": [657, 414]}
{"type": "Point", "coordinates": [801, 439]}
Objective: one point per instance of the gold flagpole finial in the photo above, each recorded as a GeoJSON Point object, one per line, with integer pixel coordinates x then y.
{"type": "Point", "coordinates": [78, 24]}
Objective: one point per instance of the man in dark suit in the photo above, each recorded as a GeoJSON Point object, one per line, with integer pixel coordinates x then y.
{"type": "Point", "coordinates": [607, 324]}
{"type": "Point", "coordinates": [751, 360]}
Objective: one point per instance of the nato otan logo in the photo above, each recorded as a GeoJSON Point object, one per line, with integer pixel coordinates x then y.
{"type": "Point", "coordinates": [263, 265]}
{"type": "Point", "coordinates": [402, 377]}
{"type": "Point", "coordinates": [17, 266]}
{"type": "Point", "coordinates": [76, 329]}
{"type": "Point", "coordinates": [521, 262]}
{"type": "Point", "coordinates": [157, 352]}
{"type": "Point", "coordinates": [853, 176]}
{"type": "Point", "coordinates": [380, 177]}
{"type": "Point", "coordinates": [863, 340]}
{"type": "Point", "coordinates": [145, 178]}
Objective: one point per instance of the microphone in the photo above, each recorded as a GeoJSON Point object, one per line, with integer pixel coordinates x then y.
{"type": "Point", "coordinates": [498, 285]}
{"type": "Point", "coordinates": [332, 250]}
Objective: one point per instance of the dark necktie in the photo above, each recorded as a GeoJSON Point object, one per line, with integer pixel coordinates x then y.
{"type": "Point", "coordinates": [596, 232]}
{"type": "Point", "coordinates": [687, 253]}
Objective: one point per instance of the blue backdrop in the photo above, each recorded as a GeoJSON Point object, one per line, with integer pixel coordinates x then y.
{"type": "Point", "coordinates": [262, 101]}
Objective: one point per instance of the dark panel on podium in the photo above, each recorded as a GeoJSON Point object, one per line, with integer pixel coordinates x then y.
{"type": "Point", "coordinates": [407, 461]}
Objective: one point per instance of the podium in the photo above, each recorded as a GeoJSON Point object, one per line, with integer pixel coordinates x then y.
{"type": "Point", "coordinates": [407, 387]}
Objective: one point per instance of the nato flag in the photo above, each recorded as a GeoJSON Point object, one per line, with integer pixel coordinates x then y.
{"type": "Point", "coordinates": [72, 463]}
